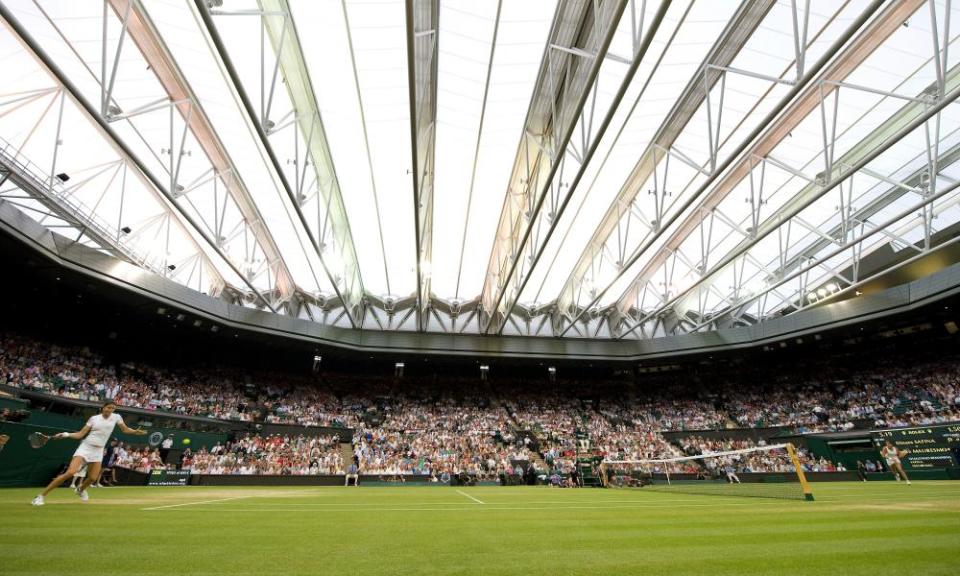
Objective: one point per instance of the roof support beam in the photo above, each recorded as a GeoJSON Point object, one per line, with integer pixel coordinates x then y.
{"type": "Point", "coordinates": [913, 116]}
{"type": "Point", "coordinates": [153, 183]}
{"type": "Point", "coordinates": [145, 36]}
{"type": "Point", "coordinates": [563, 86]}
{"type": "Point", "coordinates": [537, 246]}
{"type": "Point", "coordinates": [813, 97]}
{"type": "Point", "coordinates": [569, 308]}
{"type": "Point", "coordinates": [734, 36]}
{"type": "Point", "coordinates": [423, 22]}
{"type": "Point", "coordinates": [335, 238]}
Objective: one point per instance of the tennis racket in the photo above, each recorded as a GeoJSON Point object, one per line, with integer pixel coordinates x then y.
{"type": "Point", "coordinates": [37, 440]}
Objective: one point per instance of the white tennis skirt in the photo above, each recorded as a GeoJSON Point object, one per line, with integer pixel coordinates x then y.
{"type": "Point", "coordinates": [90, 454]}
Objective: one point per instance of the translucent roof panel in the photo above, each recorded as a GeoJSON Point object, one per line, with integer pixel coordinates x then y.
{"type": "Point", "coordinates": [179, 137]}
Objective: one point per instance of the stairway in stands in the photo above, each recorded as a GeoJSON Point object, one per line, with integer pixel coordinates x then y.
{"type": "Point", "coordinates": [346, 452]}
{"type": "Point", "coordinates": [585, 457]}
{"type": "Point", "coordinates": [537, 460]}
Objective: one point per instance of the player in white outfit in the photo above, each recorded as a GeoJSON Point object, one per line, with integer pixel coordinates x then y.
{"type": "Point", "coordinates": [94, 436]}
{"type": "Point", "coordinates": [892, 455]}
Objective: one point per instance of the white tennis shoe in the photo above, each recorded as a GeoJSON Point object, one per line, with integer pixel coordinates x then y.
{"type": "Point", "coordinates": [38, 501]}
{"type": "Point", "coordinates": [83, 495]}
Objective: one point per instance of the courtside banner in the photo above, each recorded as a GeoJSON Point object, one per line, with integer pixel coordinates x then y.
{"type": "Point", "coordinates": [927, 446]}
{"type": "Point", "coordinates": [168, 478]}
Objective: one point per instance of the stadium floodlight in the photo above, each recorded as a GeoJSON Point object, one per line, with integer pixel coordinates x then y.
{"type": "Point", "coordinates": [812, 297]}
{"type": "Point", "coordinates": [832, 287]}
{"type": "Point", "coordinates": [821, 292]}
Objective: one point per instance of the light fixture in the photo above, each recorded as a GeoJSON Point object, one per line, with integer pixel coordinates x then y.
{"type": "Point", "coordinates": [832, 287]}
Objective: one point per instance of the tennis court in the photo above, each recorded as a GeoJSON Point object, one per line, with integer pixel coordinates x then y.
{"type": "Point", "coordinates": [852, 528]}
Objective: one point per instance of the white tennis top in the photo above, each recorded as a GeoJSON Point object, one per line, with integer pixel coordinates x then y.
{"type": "Point", "coordinates": [100, 429]}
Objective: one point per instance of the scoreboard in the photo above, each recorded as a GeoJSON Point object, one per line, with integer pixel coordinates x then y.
{"type": "Point", "coordinates": [168, 478]}
{"type": "Point", "coordinates": [928, 446]}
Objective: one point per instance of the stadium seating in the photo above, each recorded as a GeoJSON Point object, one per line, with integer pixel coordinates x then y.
{"type": "Point", "coordinates": [452, 427]}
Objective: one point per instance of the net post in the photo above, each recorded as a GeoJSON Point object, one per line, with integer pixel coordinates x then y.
{"type": "Point", "coordinates": [807, 493]}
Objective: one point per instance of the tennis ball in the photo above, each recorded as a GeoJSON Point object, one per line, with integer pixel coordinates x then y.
{"type": "Point", "coordinates": [186, 441]}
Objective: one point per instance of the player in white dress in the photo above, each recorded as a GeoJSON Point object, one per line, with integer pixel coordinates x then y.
{"type": "Point", "coordinates": [94, 436]}
{"type": "Point", "coordinates": [893, 455]}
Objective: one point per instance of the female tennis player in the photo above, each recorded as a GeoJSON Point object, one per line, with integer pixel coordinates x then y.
{"type": "Point", "coordinates": [94, 436]}
{"type": "Point", "coordinates": [892, 454]}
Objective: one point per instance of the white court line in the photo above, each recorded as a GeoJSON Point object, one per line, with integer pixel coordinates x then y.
{"type": "Point", "coordinates": [470, 497]}
{"type": "Point", "coordinates": [761, 503]}
{"type": "Point", "coordinates": [195, 503]}
{"type": "Point", "coordinates": [485, 508]}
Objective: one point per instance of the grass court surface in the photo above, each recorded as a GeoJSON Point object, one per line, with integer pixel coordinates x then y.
{"type": "Point", "coordinates": [851, 529]}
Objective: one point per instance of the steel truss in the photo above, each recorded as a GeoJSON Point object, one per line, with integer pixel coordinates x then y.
{"type": "Point", "coordinates": [117, 177]}
{"type": "Point", "coordinates": [577, 47]}
{"type": "Point", "coordinates": [664, 287]}
{"type": "Point", "coordinates": [753, 281]}
{"type": "Point", "coordinates": [423, 26]}
{"type": "Point", "coordinates": [309, 178]}
{"type": "Point", "coordinates": [262, 257]}
{"type": "Point", "coordinates": [845, 241]}
{"type": "Point", "coordinates": [629, 204]}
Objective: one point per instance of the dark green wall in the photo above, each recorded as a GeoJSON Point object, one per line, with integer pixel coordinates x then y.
{"type": "Point", "coordinates": [21, 465]}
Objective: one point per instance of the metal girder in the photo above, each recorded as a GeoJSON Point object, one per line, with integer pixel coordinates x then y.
{"type": "Point", "coordinates": [423, 26]}
{"type": "Point", "coordinates": [93, 114]}
{"type": "Point", "coordinates": [332, 234]}
{"type": "Point", "coordinates": [562, 88]}
{"type": "Point", "coordinates": [861, 48]}
{"type": "Point", "coordinates": [734, 36]}
{"type": "Point", "coordinates": [912, 116]}
{"type": "Point", "coordinates": [566, 305]}
{"type": "Point", "coordinates": [862, 215]}
{"type": "Point", "coordinates": [143, 33]}
{"type": "Point", "coordinates": [590, 134]}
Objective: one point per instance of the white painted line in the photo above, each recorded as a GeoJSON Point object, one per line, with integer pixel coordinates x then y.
{"type": "Point", "coordinates": [196, 503]}
{"type": "Point", "coordinates": [470, 497]}
{"type": "Point", "coordinates": [798, 503]}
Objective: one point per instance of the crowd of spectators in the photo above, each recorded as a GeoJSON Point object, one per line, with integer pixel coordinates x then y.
{"type": "Point", "coordinates": [769, 460]}
{"type": "Point", "coordinates": [269, 454]}
{"type": "Point", "coordinates": [452, 427]}
{"type": "Point", "coordinates": [437, 434]}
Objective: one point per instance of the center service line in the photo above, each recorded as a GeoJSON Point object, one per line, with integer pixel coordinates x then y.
{"type": "Point", "coordinates": [471, 497]}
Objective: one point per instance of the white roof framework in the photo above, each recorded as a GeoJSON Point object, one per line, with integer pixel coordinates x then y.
{"type": "Point", "coordinates": [562, 168]}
